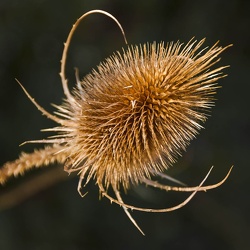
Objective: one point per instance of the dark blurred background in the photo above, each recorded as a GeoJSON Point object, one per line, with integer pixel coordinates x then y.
{"type": "Point", "coordinates": [43, 210]}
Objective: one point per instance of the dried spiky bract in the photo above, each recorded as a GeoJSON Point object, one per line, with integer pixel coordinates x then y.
{"type": "Point", "coordinates": [131, 117]}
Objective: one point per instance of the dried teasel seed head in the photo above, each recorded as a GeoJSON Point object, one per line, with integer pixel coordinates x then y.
{"type": "Point", "coordinates": [139, 110]}
{"type": "Point", "coordinates": [131, 117]}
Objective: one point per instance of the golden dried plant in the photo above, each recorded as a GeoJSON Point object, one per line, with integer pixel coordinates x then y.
{"type": "Point", "coordinates": [130, 118]}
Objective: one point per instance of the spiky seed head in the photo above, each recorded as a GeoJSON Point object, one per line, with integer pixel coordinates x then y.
{"type": "Point", "coordinates": [130, 118]}
{"type": "Point", "coordinates": [134, 114]}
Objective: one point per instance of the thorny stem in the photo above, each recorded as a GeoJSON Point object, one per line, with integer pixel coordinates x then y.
{"type": "Point", "coordinates": [36, 159]}
{"type": "Point", "coordinates": [30, 187]}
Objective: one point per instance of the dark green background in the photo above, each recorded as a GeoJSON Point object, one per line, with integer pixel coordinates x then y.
{"type": "Point", "coordinates": [32, 33]}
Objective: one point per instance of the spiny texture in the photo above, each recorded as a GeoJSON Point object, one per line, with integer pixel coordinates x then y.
{"type": "Point", "coordinates": [137, 112]}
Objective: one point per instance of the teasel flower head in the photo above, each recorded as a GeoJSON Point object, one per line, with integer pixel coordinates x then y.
{"type": "Point", "coordinates": [132, 116]}
{"type": "Point", "coordinates": [139, 110]}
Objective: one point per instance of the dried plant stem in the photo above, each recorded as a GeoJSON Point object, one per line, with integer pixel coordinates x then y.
{"type": "Point", "coordinates": [31, 186]}
{"type": "Point", "coordinates": [36, 159]}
